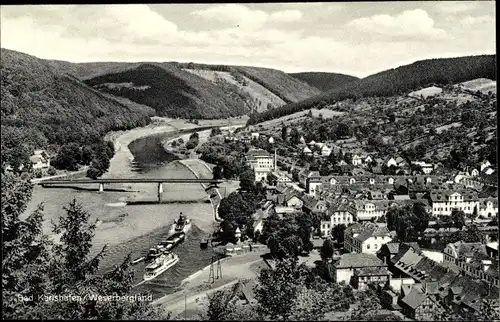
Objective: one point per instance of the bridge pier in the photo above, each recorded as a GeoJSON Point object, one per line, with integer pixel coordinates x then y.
{"type": "Point", "coordinates": [160, 191]}
{"type": "Point", "coordinates": [101, 187]}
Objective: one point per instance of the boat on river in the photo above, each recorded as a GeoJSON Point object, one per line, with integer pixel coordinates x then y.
{"type": "Point", "coordinates": [160, 265]}
{"type": "Point", "coordinates": [172, 241]}
{"type": "Point", "coordinates": [182, 223]}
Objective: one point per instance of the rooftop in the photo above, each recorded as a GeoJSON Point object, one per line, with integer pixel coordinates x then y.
{"type": "Point", "coordinates": [358, 260]}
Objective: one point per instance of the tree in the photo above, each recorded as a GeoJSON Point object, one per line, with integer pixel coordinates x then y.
{"type": "Point", "coordinates": [52, 171]}
{"type": "Point", "coordinates": [217, 172]}
{"type": "Point", "coordinates": [473, 215]}
{"type": "Point", "coordinates": [87, 155]}
{"type": "Point", "coordinates": [338, 233]}
{"type": "Point", "coordinates": [294, 136]}
{"type": "Point", "coordinates": [215, 131]}
{"type": "Point", "coordinates": [458, 218]}
{"type": "Point", "coordinates": [277, 288]}
{"type": "Point", "coordinates": [68, 157]}
{"type": "Point", "coordinates": [93, 173]}
{"type": "Point", "coordinates": [247, 179]}
{"type": "Point", "coordinates": [284, 132]}
{"type": "Point", "coordinates": [328, 249]}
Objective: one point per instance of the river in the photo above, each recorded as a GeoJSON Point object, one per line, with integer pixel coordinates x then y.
{"type": "Point", "coordinates": [134, 228]}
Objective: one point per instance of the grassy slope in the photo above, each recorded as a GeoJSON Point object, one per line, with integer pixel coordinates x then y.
{"type": "Point", "coordinates": [42, 106]}
{"type": "Point", "coordinates": [260, 95]}
{"type": "Point", "coordinates": [399, 80]}
{"type": "Point", "coordinates": [324, 81]}
{"type": "Point", "coordinates": [281, 84]}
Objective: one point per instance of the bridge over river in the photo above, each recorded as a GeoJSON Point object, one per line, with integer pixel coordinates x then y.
{"type": "Point", "coordinates": [102, 182]}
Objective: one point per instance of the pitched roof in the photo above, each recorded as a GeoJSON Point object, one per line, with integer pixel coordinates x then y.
{"type": "Point", "coordinates": [372, 271]}
{"type": "Point", "coordinates": [415, 297]}
{"type": "Point", "coordinates": [358, 260]}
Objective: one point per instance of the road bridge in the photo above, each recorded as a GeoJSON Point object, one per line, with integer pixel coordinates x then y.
{"type": "Point", "coordinates": [102, 182]}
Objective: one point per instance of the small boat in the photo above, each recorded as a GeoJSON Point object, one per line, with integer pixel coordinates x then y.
{"type": "Point", "coordinates": [204, 243]}
{"type": "Point", "coordinates": [181, 223]}
{"type": "Point", "coordinates": [160, 265]}
{"type": "Point", "coordinates": [138, 260]}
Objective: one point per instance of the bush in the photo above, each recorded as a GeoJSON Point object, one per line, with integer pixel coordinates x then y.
{"type": "Point", "coordinates": [93, 173]}
{"type": "Point", "coordinates": [52, 171]}
{"type": "Point", "coordinates": [38, 173]}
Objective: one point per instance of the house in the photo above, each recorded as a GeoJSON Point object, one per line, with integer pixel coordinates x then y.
{"type": "Point", "coordinates": [254, 135]}
{"type": "Point", "coordinates": [421, 301]}
{"type": "Point", "coordinates": [340, 212]}
{"type": "Point", "coordinates": [443, 202]}
{"type": "Point", "coordinates": [359, 269]}
{"type": "Point", "coordinates": [312, 143]}
{"type": "Point", "coordinates": [488, 207]}
{"type": "Point", "coordinates": [492, 250]}
{"type": "Point", "coordinates": [474, 172]}
{"type": "Point", "coordinates": [391, 249]}
{"type": "Point", "coordinates": [307, 151]}
{"type": "Point", "coordinates": [472, 259]}
{"type": "Point", "coordinates": [312, 205]}
{"type": "Point", "coordinates": [368, 159]}
{"type": "Point", "coordinates": [489, 171]}
{"type": "Point", "coordinates": [326, 150]}
{"type": "Point", "coordinates": [391, 162]}
{"type": "Point", "coordinates": [389, 300]}
{"type": "Point", "coordinates": [357, 160]}
{"type": "Point", "coordinates": [40, 159]}
{"type": "Point", "coordinates": [427, 168]}
{"type": "Point", "coordinates": [302, 140]}
{"type": "Point", "coordinates": [484, 165]}
{"type": "Point", "coordinates": [366, 237]}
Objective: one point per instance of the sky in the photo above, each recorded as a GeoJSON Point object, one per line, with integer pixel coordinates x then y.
{"type": "Point", "coordinates": [355, 38]}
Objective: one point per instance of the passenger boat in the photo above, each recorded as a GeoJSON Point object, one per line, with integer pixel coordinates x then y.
{"type": "Point", "coordinates": [153, 253]}
{"type": "Point", "coordinates": [181, 224]}
{"type": "Point", "coordinates": [138, 260]}
{"type": "Point", "coordinates": [160, 265]}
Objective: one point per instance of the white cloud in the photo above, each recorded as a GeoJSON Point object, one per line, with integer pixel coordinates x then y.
{"type": "Point", "coordinates": [235, 14]}
{"type": "Point", "coordinates": [137, 33]}
{"type": "Point", "coordinates": [454, 7]}
{"type": "Point", "coordinates": [286, 16]}
{"type": "Point", "coordinates": [479, 20]}
{"type": "Point", "coordinates": [410, 23]}
{"type": "Point", "coordinates": [246, 18]}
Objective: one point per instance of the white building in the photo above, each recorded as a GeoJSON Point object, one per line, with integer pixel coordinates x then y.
{"type": "Point", "coordinates": [261, 162]}
{"type": "Point", "coordinates": [391, 162]}
{"type": "Point", "coordinates": [366, 237]}
{"type": "Point", "coordinates": [341, 212]}
{"type": "Point", "coordinates": [357, 160]}
{"type": "Point", "coordinates": [426, 167]}
{"type": "Point", "coordinates": [443, 203]}
{"type": "Point", "coordinates": [485, 164]}
{"type": "Point", "coordinates": [325, 150]}
{"type": "Point", "coordinates": [488, 207]}
{"type": "Point", "coordinates": [307, 151]}
{"type": "Point", "coordinates": [349, 266]}
{"type": "Point", "coordinates": [255, 135]}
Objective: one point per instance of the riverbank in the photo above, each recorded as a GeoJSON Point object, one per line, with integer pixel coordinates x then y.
{"type": "Point", "coordinates": [193, 297]}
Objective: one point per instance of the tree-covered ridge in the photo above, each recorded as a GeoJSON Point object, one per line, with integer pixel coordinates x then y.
{"type": "Point", "coordinates": [172, 92]}
{"type": "Point", "coordinates": [324, 81]}
{"type": "Point", "coordinates": [45, 109]}
{"type": "Point", "coordinates": [395, 81]}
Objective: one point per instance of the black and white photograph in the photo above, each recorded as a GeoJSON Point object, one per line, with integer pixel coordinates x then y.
{"type": "Point", "coordinates": [281, 161]}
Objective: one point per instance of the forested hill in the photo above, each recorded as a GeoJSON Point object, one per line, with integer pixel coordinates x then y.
{"type": "Point", "coordinates": [41, 108]}
{"type": "Point", "coordinates": [190, 90]}
{"type": "Point", "coordinates": [396, 81]}
{"type": "Point", "coordinates": [324, 81]}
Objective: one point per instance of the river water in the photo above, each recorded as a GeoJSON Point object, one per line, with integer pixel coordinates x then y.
{"type": "Point", "coordinates": [135, 227]}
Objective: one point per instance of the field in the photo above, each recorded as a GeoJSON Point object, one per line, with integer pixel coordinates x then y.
{"type": "Point", "coordinates": [326, 113]}
{"type": "Point", "coordinates": [426, 92]}
{"type": "Point", "coordinates": [481, 84]}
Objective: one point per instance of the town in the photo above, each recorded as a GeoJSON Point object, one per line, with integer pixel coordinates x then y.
{"type": "Point", "coordinates": [444, 261]}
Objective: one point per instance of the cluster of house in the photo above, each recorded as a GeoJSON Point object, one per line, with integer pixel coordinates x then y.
{"type": "Point", "coordinates": [420, 287]}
